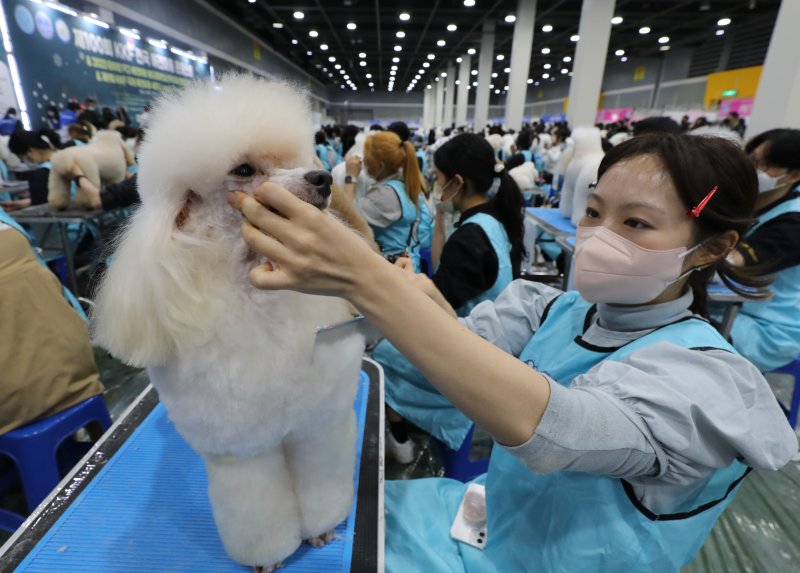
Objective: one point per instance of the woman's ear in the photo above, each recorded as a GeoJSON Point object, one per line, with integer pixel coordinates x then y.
{"type": "Point", "coordinates": [715, 248]}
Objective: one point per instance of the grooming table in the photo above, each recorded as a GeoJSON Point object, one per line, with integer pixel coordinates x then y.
{"type": "Point", "coordinates": [138, 502]}
{"type": "Point", "coordinates": [552, 221]}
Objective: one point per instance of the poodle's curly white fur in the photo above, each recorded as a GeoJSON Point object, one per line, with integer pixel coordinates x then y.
{"type": "Point", "coordinates": [265, 401]}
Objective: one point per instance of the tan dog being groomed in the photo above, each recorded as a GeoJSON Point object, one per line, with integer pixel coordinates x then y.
{"type": "Point", "coordinates": [266, 402]}
{"type": "Point", "coordinates": [104, 160]}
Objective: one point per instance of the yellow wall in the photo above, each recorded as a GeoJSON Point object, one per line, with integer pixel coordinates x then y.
{"type": "Point", "coordinates": [743, 80]}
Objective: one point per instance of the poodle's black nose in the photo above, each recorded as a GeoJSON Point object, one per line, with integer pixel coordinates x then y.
{"type": "Point", "coordinates": [321, 180]}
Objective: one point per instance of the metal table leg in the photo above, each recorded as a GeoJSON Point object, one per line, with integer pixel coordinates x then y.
{"type": "Point", "coordinates": [73, 280]}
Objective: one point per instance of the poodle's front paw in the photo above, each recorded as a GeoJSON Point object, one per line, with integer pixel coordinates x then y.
{"type": "Point", "coordinates": [267, 568]}
{"type": "Point", "coordinates": [320, 540]}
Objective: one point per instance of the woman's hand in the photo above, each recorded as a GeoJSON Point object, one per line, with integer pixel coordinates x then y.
{"type": "Point", "coordinates": [308, 250]}
{"type": "Point", "coordinates": [352, 166]}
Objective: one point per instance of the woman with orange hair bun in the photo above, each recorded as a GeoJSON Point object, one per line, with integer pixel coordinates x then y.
{"type": "Point", "coordinates": [394, 207]}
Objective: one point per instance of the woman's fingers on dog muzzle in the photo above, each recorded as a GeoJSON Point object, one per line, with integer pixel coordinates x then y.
{"type": "Point", "coordinates": [258, 215]}
{"type": "Point", "coordinates": [263, 244]}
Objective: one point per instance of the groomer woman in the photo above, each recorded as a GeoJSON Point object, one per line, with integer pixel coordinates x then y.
{"type": "Point", "coordinates": [34, 147]}
{"type": "Point", "coordinates": [624, 422]}
{"type": "Point", "coordinates": [768, 333]}
{"type": "Point", "coordinates": [476, 263]}
{"type": "Point", "coordinates": [394, 207]}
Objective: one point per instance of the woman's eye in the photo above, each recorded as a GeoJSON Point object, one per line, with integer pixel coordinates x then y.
{"type": "Point", "coordinates": [637, 224]}
{"type": "Point", "coordinates": [243, 170]}
{"type": "Point", "coordinates": [591, 213]}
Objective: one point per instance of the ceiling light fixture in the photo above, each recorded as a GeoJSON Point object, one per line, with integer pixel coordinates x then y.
{"type": "Point", "coordinates": [468, 4]}
{"type": "Point", "coordinates": [396, 60]}
{"type": "Point", "coordinates": [277, 25]}
{"type": "Point", "coordinates": [294, 42]}
{"type": "Point", "coordinates": [664, 48]}
{"type": "Point", "coordinates": [313, 33]}
{"type": "Point", "coordinates": [400, 34]}
{"type": "Point", "coordinates": [545, 75]}
{"type": "Point", "coordinates": [567, 59]}
{"type": "Point", "coordinates": [298, 15]}
{"type": "Point", "coordinates": [405, 16]}
{"type": "Point", "coordinates": [547, 66]}
{"type": "Point", "coordinates": [616, 20]}
{"type": "Point", "coordinates": [510, 18]}
{"type": "Point", "coordinates": [574, 38]}
{"type": "Point", "coordinates": [546, 28]}
{"type": "Point", "coordinates": [431, 57]}
{"type": "Point", "coordinates": [644, 30]}
{"type": "Point", "coordinates": [398, 48]}
{"type": "Point", "coordinates": [471, 51]}
{"type": "Point", "coordinates": [459, 60]}
{"type": "Point", "coordinates": [500, 57]}
{"type": "Point", "coordinates": [452, 27]}
{"type": "Point", "coordinates": [441, 43]}
{"type": "Point", "coordinates": [619, 53]}
{"type": "Point", "coordinates": [623, 59]}
{"type": "Point", "coordinates": [351, 26]}
{"type": "Point", "coordinates": [724, 22]}
{"type": "Point", "coordinates": [545, 51]}
{"type": "Point", "coordinates": [720, 32]}
{"type": "Point", "coordinates": [663, 39]}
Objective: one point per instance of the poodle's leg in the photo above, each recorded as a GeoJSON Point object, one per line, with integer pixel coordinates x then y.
{"type": "Point", "coordinates": [92, 172]}
{"type": "Point", "coordinates": [321, 460]}
{"type": "Point", "coordinates": [255, 509]}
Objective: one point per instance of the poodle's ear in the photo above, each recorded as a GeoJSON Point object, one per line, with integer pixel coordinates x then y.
{"type": "Point", "coordinates": [157, 292]}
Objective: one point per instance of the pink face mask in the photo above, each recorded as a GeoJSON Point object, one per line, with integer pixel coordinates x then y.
{"type": "Point", "coordinates": [611, 269]}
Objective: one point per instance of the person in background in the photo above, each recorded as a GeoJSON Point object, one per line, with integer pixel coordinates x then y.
{"type": "Point", "coordinates": [376, 127]}
{"type": "Point", "coordinates": [91, 114]}
{"type": "Point", "coordinates": [50, 365]}
{"type": "Point", "coordinates": [53, 118]}
{"type": "Point", "coordinates": [11, 113]}
{"type": "Point", "coordinates": [768, 333]}
{"type": "Point", "coordinates": [661, 124]}
{"type": "Point", "coordinates": [325, 151]}
{"type": "Point", "coordinates": [34, 148]}
{"type": "Point", "coordinates": [476, 263]}
{"type": "Point", "coordinates": [79, 134]}
{"type": "Point", "coordinates": [394, 207]}
{"type": "Point", "coordinates": [685, 125]}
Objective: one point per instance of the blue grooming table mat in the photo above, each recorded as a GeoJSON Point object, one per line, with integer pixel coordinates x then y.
{"type": "Point", "coordinates": [147, 510]}
{"type": "Point", "coordinates": [552, 221]}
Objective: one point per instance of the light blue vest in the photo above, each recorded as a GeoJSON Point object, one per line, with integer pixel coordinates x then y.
{"type": "Point", "coordinates": [328, 155]}
{"type": "Point", "coordinates": [8, 220]}
{"type": "Point", "coordinates": [563, 521]}
{"type": "Point", "coordinates": [421, 154]}
{"type": "Point", "coordinates": [768, 333]}
{"type": "Point", "coordinates": [401, 236]}
{"type": "Point", "coordinates": [526, 153]}
{"type": "Point", "coordinates": [408, 392]}
{"type": "Point", "coordinates": [502, 247]}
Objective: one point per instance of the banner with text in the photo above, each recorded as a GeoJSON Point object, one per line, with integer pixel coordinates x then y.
{"type": "Point", "coordinates": [62, 56]}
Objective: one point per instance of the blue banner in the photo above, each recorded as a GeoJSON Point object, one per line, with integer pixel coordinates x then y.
{"type": "Point", "coordinates": [61, 56]}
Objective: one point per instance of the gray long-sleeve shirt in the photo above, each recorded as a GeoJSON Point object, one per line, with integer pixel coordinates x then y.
{"type": "Point", "coordinates": [664, 417]}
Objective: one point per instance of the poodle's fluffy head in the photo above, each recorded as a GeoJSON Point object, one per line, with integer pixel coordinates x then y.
{"type": "Point", "coordinates": [206, 140]}
{"type": "Point", "coordinates": [182, 258]}
{"type": "Point", "coordinates": [588, 140]}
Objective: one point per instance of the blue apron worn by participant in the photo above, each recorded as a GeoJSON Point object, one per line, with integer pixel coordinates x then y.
{"type": "Point", "coordinates": [768, 333]}
{"type": "Point", "coordinates": [562, 521]}
{"type": "Point", "coordinates": [408, 392]}
{"type": "Point", "coordinates": [402, 236]}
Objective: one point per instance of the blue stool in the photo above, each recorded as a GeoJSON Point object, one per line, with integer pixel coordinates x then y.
{"type": "Point", "coordinates": [457, 464]}
{"type": "Point", "coordinates": [426, 262]}
{"type": "Point", "coordinates": [792, 411]}
{"type": "Point", "coordinates": [34, 449]}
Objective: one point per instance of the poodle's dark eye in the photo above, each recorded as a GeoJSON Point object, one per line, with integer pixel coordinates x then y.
{"type": "Point", "coordinates": [244, 170]}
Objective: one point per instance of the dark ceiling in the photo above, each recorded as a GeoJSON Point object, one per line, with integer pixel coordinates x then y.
{"type": "Point", "coordinates": [692, 23]}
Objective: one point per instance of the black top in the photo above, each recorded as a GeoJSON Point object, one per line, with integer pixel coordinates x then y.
{"type": "Point", "coordinates": [777, 242]}
{"type": "Point", "coordinates": [37, 183]}
{"type": "Point", "coordinates": [468, 265]}
{"type": "Point", "coordinates": [120, 194]}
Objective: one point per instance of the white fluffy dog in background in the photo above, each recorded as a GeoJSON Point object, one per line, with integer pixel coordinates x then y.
{"type": "Point", "coordinates": [104, 160]}
{"type": "Point", "coordinates": [266, 402]}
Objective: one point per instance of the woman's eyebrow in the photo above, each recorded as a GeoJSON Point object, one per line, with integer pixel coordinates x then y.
{"type": "Point", "coordinates": [631, 205]}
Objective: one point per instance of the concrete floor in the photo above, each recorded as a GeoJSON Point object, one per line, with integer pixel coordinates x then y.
{"type": "Point", "coordinates": [760, 530]}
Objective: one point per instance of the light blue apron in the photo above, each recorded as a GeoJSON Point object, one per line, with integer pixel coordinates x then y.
{"type": "Point", "coordinates": [526, 154]}
{"type": "Point", "coordinates": [563, 521]}
{"type": "Point", "coordinates": [407, 391]}
{"type": "Point", "coordinates": [8, 220]}
{"type": "Point", "coordinates": [401, 237]}
{"type": "Point", "coordinates": [768, 333]}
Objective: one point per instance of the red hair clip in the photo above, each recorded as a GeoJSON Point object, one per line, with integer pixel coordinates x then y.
{"type": "Point", "coordinates": [695, 211]}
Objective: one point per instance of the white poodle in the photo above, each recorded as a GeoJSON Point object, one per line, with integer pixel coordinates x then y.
{"type": "Point", "coordinates": [266, 401]}
{"type": "Point", "coordinates": [104, 160]}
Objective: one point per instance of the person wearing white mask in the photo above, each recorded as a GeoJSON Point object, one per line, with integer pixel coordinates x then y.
{"type": "Point", "coordinates": [623, 421]}
{"type": "Point", "coordinates": [768, 333]}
